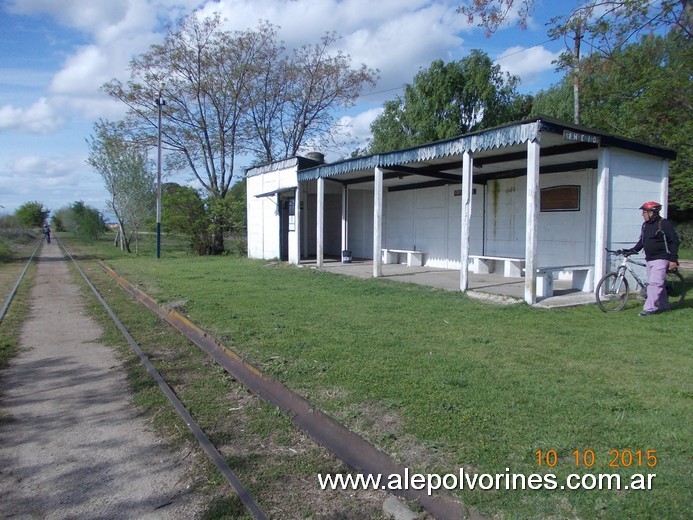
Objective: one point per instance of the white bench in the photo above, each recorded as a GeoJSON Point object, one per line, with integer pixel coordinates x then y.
{"type": "Point", "coordinates": [482, 264]}
{"type": "Point", "coordinates": [582, 278]}
{"type": "Point", "coordinates": [414, 257]}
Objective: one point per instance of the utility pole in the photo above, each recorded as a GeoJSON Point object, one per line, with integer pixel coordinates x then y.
{"type": "Point", "coordinates": [160, 103]}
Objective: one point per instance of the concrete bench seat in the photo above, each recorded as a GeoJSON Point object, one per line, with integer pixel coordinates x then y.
{"type": "Point", "coordinates": [582, 278]}
{"type": "Point", "coordinates": [484, 264]}
{"type": "Point", "coordinates": [414, 257]}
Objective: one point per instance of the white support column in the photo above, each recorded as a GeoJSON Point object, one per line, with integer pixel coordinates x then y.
{"type": "Point", "coordinates": [531, 222]}
{"type": "Point", "coordinates": [601, 234]}
{"type": "Point", "coordinates": [321, 222]}
{"type": "Point", "coordinates": [665, 188]}
{"type": "Point", "coordinates": [467, 169]}
{"type": "Point", "coordinates": [297, 224]}
{"type": "Point", "coordinates": [345, 218]}
{"type": "Point", "coordinates": [378, 223]}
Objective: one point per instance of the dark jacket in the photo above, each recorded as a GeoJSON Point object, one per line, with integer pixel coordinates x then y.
{"type": "Point", "coordinates": [659, 239]}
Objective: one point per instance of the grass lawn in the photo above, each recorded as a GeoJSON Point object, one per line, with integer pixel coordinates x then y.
{"type": "Point", "coordinates": [11, 267]}
{"type": "Point", "coordinates": [443, 382]}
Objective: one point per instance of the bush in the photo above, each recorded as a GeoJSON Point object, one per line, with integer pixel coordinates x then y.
{"type": "Point", "coordinates": [84, 221]}
{"type": "Point", "coordinates": [32, 214]}
{"type": "Point", "coordinates": [685, 231]}
{"type": "Point", "coordinates": [5, 250]}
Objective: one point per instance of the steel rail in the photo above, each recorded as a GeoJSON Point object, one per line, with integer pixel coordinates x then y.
{"type": "Point", "coordinates": [351, 448]}
{"type": "Point", "coordinates": [202, 439]}
{"type": "Point", "coordinates": [6, 306]}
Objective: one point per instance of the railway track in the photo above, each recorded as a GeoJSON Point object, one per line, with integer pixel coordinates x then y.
{"type": "Point", "coordinates": [352, 449]}
{"type": "Point", "coordinates": [217, 459]}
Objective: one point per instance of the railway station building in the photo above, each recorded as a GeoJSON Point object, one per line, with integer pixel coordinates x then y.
{"type": "Point", "coordinates": [536, 200]}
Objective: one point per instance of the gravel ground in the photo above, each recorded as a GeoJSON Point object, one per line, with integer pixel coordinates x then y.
{"type": "Point", "coordinates": [72, 444]}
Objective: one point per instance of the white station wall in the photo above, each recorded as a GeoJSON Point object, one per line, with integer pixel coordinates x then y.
{"type": "Point", "coordinates": [563, 237]}
{"type": "Point", "coordinates": [263, 212]}
{"type": "Point", "coordinates": [635, 178]}
{"type": "Point", "coordinates": [360, 223]}
{"type": "Point", "coordinates": [430, 220]}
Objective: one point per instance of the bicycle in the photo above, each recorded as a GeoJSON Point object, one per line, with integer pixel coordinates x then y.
{"type": "Point", "coordinates": [613, 292]}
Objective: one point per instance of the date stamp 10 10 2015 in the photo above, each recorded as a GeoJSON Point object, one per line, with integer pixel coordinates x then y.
{"type": "Point", "coordinates": [617, 458]}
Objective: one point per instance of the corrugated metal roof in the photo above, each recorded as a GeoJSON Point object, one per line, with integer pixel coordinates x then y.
{"type": "Point", "coordinates": [496, 138]}
{"type": "Point", "coordinates": [493, 138]}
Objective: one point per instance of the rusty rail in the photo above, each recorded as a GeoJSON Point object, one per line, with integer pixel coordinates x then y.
{"type": "Point", "coordinates": [343, 443]}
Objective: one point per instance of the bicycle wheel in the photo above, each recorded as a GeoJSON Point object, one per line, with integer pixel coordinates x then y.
{"type": "Point", "coordinates": [675, 287]}
{"type": "Point", "coordinates": [612, 292]}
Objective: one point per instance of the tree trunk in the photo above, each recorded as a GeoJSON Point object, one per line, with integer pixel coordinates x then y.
{"type": "Point", "coordinates": [123, 237]}
{"type": "Point", "coordinates": [218, 241]}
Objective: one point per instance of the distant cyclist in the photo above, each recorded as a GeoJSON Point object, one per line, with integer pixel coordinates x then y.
{"type": "Point", "coordinates": [661, 243]}
{"type": "Point", "coordinates": [47, 232]}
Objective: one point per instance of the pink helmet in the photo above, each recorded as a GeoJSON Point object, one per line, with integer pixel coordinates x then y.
{"type": "Point", "coordinates": [651, 206]}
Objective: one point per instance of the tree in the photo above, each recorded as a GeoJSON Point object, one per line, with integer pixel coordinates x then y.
{"type": "Point", "coordinates": [643, 92]}
{"type": "Point", "coordinates": [215, 84]}
{"type": "Point", "coordinates": [446, 100]}
{"type": "Point", "coordinates": [82, 220]}
{"type": "Point", "coordinates": [294, 97]}
{"type": "Point", "coordinates": [610, 23]}
{"type": "Point", "coordinates": [129, 180]}
{"type": "Point", "coordinates": [607, 24]}
{"type": "Point", "coordinates": [556, 101]}
{"type": "Point", "coordinates": [32, 214]}
{"type": "Point", "coordinates": [183, 211]}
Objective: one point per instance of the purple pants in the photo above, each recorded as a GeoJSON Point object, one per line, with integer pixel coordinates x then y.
{"type": "Point", "coordinates": [657, 299]}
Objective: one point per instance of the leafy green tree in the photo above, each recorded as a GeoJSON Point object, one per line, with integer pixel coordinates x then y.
{"type": "Point", "coordinates": [644, 92]}
{"type": "Point", "coordinates": [127, 176]}
{"type": "Point", "coordinates": [84, 221]}
{"type": "Point", "coordinates": [183, 211]}
{"type": "Point", "coordinates": [556, 101]}
{"type": "Point", "coordinates": [238, 206]}
{"type": "Point", "coordinates": [608, 26]}
{"type": "Point", "coordinates": [32, 214]}
{"type": "Point", "coordinates": [449, 99]}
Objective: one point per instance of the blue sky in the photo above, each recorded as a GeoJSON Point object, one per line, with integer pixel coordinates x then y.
{"type": "Point", "coordinates": [55, 54]}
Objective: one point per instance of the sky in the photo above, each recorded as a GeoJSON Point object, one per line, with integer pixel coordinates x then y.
{"type": "Point", "coordinates": [56, 54]}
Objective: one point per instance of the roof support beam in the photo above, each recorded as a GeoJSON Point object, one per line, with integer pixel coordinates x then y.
{"type": "Point", "coordinates": [545, 152]}
{"type": "Point", "coordinates": [602, 216]}
{"type": "Point", "coordinates": [531, 222]}
{"type": "Point", "coordinates": [321, 223]}
{"type": "Point", "coordinates": [467, 167]}
{"type": "Point", "coordinates": [552, 168]}
{"type": "Point", "coordinates": [378, 224]}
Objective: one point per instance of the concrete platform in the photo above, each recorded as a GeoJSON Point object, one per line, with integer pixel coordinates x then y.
{"type": "Point", "coordinates": [488, 287]}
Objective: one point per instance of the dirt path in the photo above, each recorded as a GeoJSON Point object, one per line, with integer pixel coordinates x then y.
{"type": "Point", "coordinates": [72, 444]}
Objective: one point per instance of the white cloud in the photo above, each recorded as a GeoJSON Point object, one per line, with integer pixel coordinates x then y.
{"type": "Point", "coordinates": [527, 63]}
{"type": "Point", "coordinates": [39, 118]}
{"type": "Point", "coordinates": [395, 36]}
{"type": "Point", "coordinates": [53, 181]}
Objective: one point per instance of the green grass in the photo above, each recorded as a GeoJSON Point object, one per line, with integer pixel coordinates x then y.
{"type": "Point", "coordinates": [273, 460]}
{"type": "Point", "coordinates": [11, 266]}
{"type": "Point", "coordinates": [444, 382]}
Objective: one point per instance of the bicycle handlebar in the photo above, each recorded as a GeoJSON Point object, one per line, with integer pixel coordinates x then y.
{"type": "Point", "coordinates": [621, 252]}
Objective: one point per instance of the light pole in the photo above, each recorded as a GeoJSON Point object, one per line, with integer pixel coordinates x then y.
{"type": "Point", "coordinates": [160, 103]}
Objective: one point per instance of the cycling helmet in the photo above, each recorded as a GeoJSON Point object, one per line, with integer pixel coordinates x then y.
{"type": "Point", "coordinates": [651, 206]}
